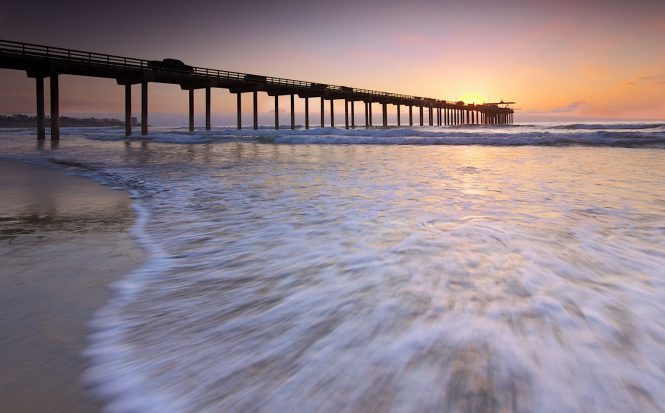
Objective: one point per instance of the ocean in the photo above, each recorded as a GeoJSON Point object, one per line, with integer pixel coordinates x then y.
{"type": "Point", "coordinates": [451, 269]}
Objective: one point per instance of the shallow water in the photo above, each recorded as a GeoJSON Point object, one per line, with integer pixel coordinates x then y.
{"type": "Point", "coordinates": [417, 274]}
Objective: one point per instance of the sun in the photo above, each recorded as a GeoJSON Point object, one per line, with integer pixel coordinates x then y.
{"type": "Point", "coordinates": [472, 98]}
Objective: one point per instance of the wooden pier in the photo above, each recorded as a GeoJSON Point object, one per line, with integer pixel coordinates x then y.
{"type": "Point", "coordinates": [42, 62]}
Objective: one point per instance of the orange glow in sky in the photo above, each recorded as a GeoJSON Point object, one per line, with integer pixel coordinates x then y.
{"type": "Point", "coordinates": [586, 59]}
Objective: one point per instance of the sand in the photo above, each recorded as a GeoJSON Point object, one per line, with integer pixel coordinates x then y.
{"type": "Point", "coordinates": [63, 240]}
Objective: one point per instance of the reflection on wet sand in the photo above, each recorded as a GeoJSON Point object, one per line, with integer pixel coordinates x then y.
{"type": "Point", "coordinates": [62, 240]}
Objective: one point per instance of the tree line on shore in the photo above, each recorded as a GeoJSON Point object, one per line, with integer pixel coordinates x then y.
{"type": "Point", "coordinates": [25, 121]}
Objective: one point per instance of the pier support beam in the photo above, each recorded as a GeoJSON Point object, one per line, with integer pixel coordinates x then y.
{"type": "Point", "coordinates": [276, 112]}
{"type": "Point", "coordinates": [144, 108]}
{"type": "Point", "coordinates": [323, 120]}
{"type": "Point", "coordinates": [346, 114]}
{"type": "Point", "coordinates": [39, 91]}
{"type": "Point", "coordinates": [410, 115]}
{"type": "Point", "coordinates": [369, 107]}
{"type": "Point", "coordinates": [431, 116]}
{"type": "Point", "coordinates": [191, 110]}
{"type": "Point", "coordinates": [55, 108]}
{"type": "Point", "coordinates": [239, 110]}
{"type": "Point", "coordinates": [293, 113]}
{"type": "Point", "coordinates": [399, 116]}
{"type": "Point", "coordinates": [366, 115]}
{"type": "Point", "coordinates": [306, 112]}
{"type": "Point", "coordinates": [208, 99]}
{"type": "Point", "coordinates": [332, 113]}
{"type": "Point", "coordinates": [421, 116]}
{"type": "Point", "coordinates": [255, 107]}
{"type": "Point", "coordinates": [385, 114]}
{"type": "Point", "coordinates": [128, 110]}
{"type": "Point", "coordinates": [353, 114]}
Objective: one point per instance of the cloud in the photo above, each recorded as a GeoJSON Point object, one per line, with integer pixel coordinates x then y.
{"type": "Point", "coordinates": [571, 107]}
{"type": "Point", "coordinates": [647, 80]}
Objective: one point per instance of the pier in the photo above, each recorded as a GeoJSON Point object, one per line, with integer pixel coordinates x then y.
{"type": "Point", "coordinates": [41, 62]}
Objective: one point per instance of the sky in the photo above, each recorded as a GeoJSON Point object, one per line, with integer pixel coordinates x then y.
{"type": "Point", "coordinates": [584, 59]}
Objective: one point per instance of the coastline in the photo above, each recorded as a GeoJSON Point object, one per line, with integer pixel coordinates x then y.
{"type": "Point", "coordinates": [63, 240]}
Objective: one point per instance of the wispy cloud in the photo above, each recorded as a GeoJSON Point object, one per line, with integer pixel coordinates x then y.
{"type": "Point", "coordinates": [647, 80]}
{"type": "Point", "coordinates": [571, 107]}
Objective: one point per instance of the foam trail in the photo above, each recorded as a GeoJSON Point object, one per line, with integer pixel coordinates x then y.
{"type": "Point", "coordinates": [358, 278]}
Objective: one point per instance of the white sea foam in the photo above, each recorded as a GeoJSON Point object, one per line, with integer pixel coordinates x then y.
{"type": "Point", "coordinates": [613, 134]}
{"type": "Point", "coordinates": [347, 278]}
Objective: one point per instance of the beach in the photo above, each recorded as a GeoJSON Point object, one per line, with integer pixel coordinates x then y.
{"type": "Point", "coordinates": [63, 240]}
{"type": "Point", "coordinates": [467, 269]}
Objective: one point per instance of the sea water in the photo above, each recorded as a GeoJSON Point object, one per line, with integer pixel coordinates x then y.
{"type": "Point", "coordinates": [455, 269]}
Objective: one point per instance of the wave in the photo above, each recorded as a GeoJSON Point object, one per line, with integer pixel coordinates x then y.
{"type": "Point", "coordinates": [408, 136]}
{"type": "Point", "coordinates": [611, 126]}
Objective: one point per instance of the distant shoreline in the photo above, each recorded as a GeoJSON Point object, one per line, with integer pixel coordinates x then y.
{"type": "Point", "coordinates": [25, 121]}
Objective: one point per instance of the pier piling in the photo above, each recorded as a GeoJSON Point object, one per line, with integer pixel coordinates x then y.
{"type": "Point", "coordinates": [255, 107]}
{"type": "Point", "coordinates": [191, 110]}
{"type": "Point", "coordinates": [39, 89]}
{"type": "Point", "coordinates": [293, 113]}
{"type": "Point", "coordinates": [239, 110]}
{"type": "Point", "coordinates": [346, 114]}
{"type": "Point", "coordinates": [55, 108]}
{"type": "Point", "coordinates": [144, 108]}
{"type": "Point", "coordinates": [128, 110]}
{"type": "Point", "coordinates": [353, 114]}
{"type": "Point", "coordinates": [208, 101]}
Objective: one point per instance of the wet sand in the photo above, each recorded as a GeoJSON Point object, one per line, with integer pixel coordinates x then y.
{"type": "Point", "coordinates": [63, 239]}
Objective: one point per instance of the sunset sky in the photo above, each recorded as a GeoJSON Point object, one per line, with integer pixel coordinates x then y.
{"type": "Point", "coordinates": [586, 59]}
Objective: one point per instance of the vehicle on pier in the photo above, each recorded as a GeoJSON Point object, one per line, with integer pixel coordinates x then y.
{"type": "Point", "coordinates": [171, 65]}
{"type": "Point", "coordinates": [256, 78]}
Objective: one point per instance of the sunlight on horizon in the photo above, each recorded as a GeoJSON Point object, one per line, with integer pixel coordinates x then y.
{"type": "Point", "coordinates": [472, 98]}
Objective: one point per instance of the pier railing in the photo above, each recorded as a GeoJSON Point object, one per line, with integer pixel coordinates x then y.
{"type": "Point", "coordinates": [101, 59]}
